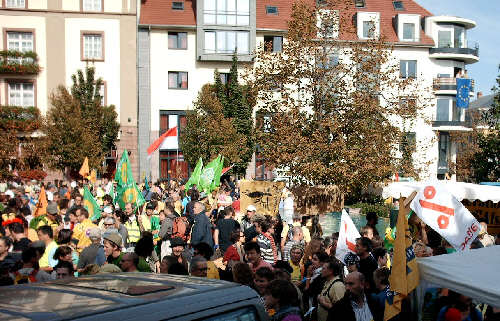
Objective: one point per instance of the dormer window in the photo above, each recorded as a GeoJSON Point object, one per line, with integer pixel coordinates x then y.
{"type": "Point", "coordinates": [272, 10]}
{"type": "Point", "coordinates": [368, 25]}
{"type": "Point", "coordinates": [178, 5]}
{"type": "Point", "coordinates": [408, 31]}
{"type": "Point", "coordinates": [398, 5]}
{"type": "Point", "coordinates": [359, 3]}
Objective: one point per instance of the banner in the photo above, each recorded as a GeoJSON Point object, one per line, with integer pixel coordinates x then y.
{"type": "Point", "coordinates": [209, 175]}
{"type": "Point", "coordinates": [127, 190]}
{"type": "Point", "coordinates": [195, 175]}
{"type": "Point", "coordinates": [464, 86]}
{"type": "Point", "coordinates": [265, 196]}
{"type": "Point", "coordinates": [318, 199]}
{"type": "Point", "coordinates": [348, 233]}
{"type": "Point", "coordinates": [404, 276]}
{"type": "Point", "coordinates": [439, 209]}
{"type": "Point", "coordinates": [91, 205]}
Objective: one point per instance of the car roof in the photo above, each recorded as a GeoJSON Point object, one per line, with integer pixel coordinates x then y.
{"type": "Point", "coordinates": [87, 295]}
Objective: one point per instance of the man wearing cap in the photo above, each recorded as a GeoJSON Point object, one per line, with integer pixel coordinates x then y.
{"type": "Point", "coordinates": [94, 253]}
{"type": "Point", "coordinates": [246, 221]}
{"type": "Point", "coordinates": [113, 248]}
{"type": "Point", "coordinates": [47, 219]}
{"type": "Point", "coordinates": [182, 255]}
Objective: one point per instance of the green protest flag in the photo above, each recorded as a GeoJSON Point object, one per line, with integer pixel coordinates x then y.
{"type": "Point", "coordinates": [112, 192]}
{"type": "Point", "coordinates": [127, 190]}
{"type": "Point", "coordinates": [218, 173]}
{"type": "Point", "coordinates": [195, 175]}
{"type": "Point", "coordinates": [208, 175]}
{"type": "Point", "coordinates": [91, 205]}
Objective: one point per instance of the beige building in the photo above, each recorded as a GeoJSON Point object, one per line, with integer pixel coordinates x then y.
{"type": "Point", "coordinates": [67, 35]}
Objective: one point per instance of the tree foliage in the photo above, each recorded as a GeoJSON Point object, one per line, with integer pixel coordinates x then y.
{"type": "Point", "coordinates": [78, 126]}
{"type": "Point", "coordinates": [330, 104]}
{"type": "Point", "coordinates": [221, 123]}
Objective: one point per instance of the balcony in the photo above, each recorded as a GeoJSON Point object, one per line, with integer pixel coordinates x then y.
{"type": "Point", "coordinates": [19, 63]}
{"type": "Point", "coordinates": [447, 86]}
{"type": "Point", "coordinates": [17, 118]}
{"type": "Point", "coordinates": [467, 55]}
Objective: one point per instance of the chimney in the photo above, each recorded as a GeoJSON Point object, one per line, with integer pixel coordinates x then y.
{"type": "Point", "coordinates": [479, 94]}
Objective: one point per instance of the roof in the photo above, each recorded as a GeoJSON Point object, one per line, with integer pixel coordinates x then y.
{"type": "Point", "coordinates": [159, 12]}
{"type": "Point", "coordinates": [85, 296]}
{"type": "Point", "coordinates": [483, 102]}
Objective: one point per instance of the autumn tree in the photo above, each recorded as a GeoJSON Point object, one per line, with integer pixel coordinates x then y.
{"type": "Point", "coordinates": [77, 125]}
{"type": "Point", "coordinates": [221, 123]}
{"type": "Point", "coordinates": [332, 106]}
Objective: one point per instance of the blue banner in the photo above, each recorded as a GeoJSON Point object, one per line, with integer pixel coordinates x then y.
{"type": "Point", "coordinates": [464, 86]}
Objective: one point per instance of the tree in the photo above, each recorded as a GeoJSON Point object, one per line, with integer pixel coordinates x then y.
{"type": "Point", "coordinates": [486, 162]}
{"type": "Point", "coordinates": [331, 105]}
{"type": "Point", "coordinates": [78, 126]}
{"type": "Point", "coordinates": [221, 123]}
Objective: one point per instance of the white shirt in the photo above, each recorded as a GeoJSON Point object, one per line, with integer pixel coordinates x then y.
{"type": "Point", "coordinates": [363, 312]}
{"type": "Point", "coordinates": [288, 210]}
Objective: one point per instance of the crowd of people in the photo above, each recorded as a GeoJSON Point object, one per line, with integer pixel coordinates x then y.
{"type": "Point", "coordinates": [286, 259]}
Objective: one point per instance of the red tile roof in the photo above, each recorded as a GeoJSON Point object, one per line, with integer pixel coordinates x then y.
{"type": "Point", "coordinates": [159, 12]}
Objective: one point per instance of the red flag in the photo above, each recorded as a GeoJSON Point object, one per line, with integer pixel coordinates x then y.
{"type": "Point", "coordinates": [172, 132]}
{"type": "Point", "coordinates": [225, 170]}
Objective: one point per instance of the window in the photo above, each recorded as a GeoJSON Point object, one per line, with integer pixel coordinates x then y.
{"type": "Point", "coordinates": [272, 10]}
{"type": "Point", "coordinates": [15, 3]}
{"type": "Point", "coordinates": [444, 39]}
{"type": "Point", "coordinates": [332, 60]}
{"type": "Point", "coordinates": [409, 31]}
{"type": "Point", "coordinates": [273, 43]}
{"type": "Point", "coordinates": [444, 149]}
{"type": "Point", "coordinates": [408, 142]}
{"type": "Point", "coordinates": [92, 47]}
{"type": "Point", "coordinates": [20, 41]}
{"type": "Point", "coordinates": [443, 110]}
{"type": "Point", "coordinates": [226, 12]}
{"type": "Point", "coordinates": [177, 80]}
{"type": "Point", "coordinates": [172, 162]}
{"type": "Point", "coordinates": [224, 77]}
{"type": "Point", "coordinates": [398, 5]}
{"type": "Point", "coordinates": [177, 5]}
{"type": "Point", "coordinates": [177, 40]}
{"type": "Point", "coordinates": [92, 5]}
{"type": "Point", "coordinates": [227, 42]}
{"type": "Point", "coordinates": [21, 94]}
{"type": "Point", "coordinates": [408, 68]}
{"type": "Point", "coordinates": [458, 39]}
{"type": "Point", "coordinates": [359, 3]}
{"type": "Point", "coordinates": [102, 93]}
{"type": "Point", "coordinates": [457, 112]}
{"type": "Point", "coordinates": [327, 22]}
{"type": "Point", "coordinates": [368, 29]}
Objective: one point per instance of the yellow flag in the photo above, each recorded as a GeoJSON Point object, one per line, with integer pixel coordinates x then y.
{"type": "Point", "coordinates": [84, 170]}
{"type": "Point", "coordinates": [41, 206]}
{"type": "Point", "coordinates": [404, 274]}
{"type": "Point", "coordinates": [92, 177]}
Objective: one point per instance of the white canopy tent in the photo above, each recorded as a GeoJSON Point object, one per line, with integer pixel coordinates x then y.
{"type": "Point", "coordinates": [473, 273]}
{"type": "Point", "coordinates": [460, 190]}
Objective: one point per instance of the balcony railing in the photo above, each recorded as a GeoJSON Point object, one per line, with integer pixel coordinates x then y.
{"type": "Point", "coordinates": [471, 50]}
{"type": "Point", "coordinates": [17, 62]}
{"type": "Point", "coordinates": [19, 118]}
{"type": "Point", "coordinates": [447, 84]}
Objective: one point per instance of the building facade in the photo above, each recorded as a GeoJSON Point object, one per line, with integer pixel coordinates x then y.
{"type": "Point", "coordinates": [182, 43]}
{"type": "Point", "coordinates": [67, 35]}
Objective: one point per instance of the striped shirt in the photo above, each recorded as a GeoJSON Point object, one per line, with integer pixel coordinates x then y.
{"type": "Point", "coordinates": [266, 249]}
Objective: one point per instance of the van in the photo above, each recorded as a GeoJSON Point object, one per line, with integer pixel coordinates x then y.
{"type": "Point", "coordinates": [131, 296]}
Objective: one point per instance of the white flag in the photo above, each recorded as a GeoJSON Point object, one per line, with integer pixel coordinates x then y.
{"type": "Point", "coordinates": [439, 209]}
{"type": "Point", "coordinates": [347, 237]}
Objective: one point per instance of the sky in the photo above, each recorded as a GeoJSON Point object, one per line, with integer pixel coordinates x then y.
{"type": "Point", "coordinates": [486, 14]}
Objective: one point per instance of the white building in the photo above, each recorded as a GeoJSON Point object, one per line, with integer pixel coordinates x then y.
{"type": "Point", "coordinates": [182, 43]}
{"type": "Point", "coordinates": [68, 35]}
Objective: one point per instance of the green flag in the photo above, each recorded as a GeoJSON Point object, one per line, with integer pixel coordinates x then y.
{"type": "Point", "coordinates": [195, 175]}
{"type": "Point", "coordinates": [208, 175]}
{"type": "Point", "coordinates": [112, 192]}
{"type": "Point", "coordinates": [218, 173]}
{"type": "Point", "coordinates": [127, 190]}
{"type": "Point", "coordinates": [91, 205]}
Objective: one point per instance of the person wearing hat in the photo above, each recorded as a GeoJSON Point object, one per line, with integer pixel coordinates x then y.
{"type": "Point", "coordinates": [94, 253]}
{"type": "Point", "coordinates": [48, 219]}
{"type": "Point", "coordinates": [179, 251]}
{"type": "Point", "coordinates": [113, 248]}
{"type": "Point", "coordinates": [247, 219]}
{"type": "Point", "coordinates": [106, 213]}
{"type": "Point", "coordinates": [151, 222]}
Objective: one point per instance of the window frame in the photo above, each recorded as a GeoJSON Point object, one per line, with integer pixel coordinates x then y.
{"type": "Point", "coordinates": [371, 32]}
{"type": "Point", "coordinates": [178, 74]}
{"type": "Point", "coordinates": [407, 63]}
{"type": "Point", "coordinates": [414, 37]}
{"type": "Point", "coordinates": [19, 30]}
{"type": "Point", "coordinates": [4, 5]}
{"type": "Point", "coordinates": [226, 52]}
{"type": "Point", "coordinates": [224, 77]}
{"type": "Point", "coordinates": [216, 13]}
{"type": "Point", "coordinates": [272, 43]}
{"type": "Point", "coordinates": [87, 11]}
{"type": "Point", "coordinates": [21, 81]}
{"type": "Point", "coordinates": [178, 9]}
{"type": "Point", "coordinates": [84, 33]}
{"type": "Point", "coordinates": [177, 34]}
{"type": "Point", "coordinates": [104, 96]}
{"type": "Point", "coordinates": [272, 13]}
{"type": "Point", "coordinates": [397, 8]}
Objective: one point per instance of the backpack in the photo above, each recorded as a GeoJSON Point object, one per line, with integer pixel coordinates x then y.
{"type": "Point", "coordinates": [180, 228]}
